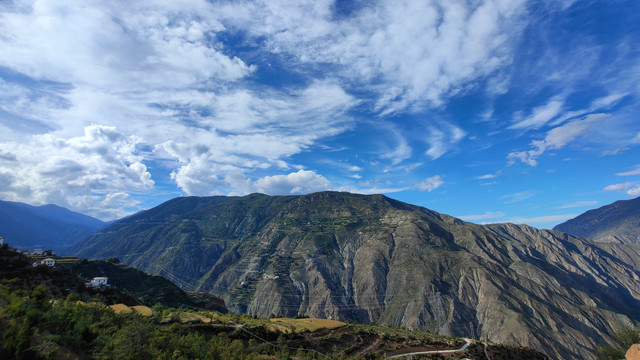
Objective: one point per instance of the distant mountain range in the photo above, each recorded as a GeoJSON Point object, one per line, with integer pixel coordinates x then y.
{"type": "Point", "coordinates": [49, 226]}
{"type": "Point", "coordinates": [374, 259]}
{"type": "Point", "coordinates": [614, 223]}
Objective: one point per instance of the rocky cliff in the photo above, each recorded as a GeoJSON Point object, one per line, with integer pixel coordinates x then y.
{"type": "Point", "coordinates": [374, 259]}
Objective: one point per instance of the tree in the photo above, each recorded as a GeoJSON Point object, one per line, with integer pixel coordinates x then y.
{"type": "Point", "coordinates": [624, 338]}
{"type": "Point", "coordinates": [113, 260]}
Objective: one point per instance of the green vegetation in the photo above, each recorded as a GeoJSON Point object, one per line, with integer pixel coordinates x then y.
{"type": "Point", "coordinates": [45, 313]}
{"type": "Point", "coordinates": [625, 337]}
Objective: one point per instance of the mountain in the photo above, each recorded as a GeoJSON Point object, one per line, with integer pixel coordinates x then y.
{"type": "Point", "coordinates": [48, 226]}
{"type": "Point", "coordinates": [369, 258]}
{"type": "Point", "coordinates": [48, 313]}
{"type": "Point", "coordinates": [614, 223]}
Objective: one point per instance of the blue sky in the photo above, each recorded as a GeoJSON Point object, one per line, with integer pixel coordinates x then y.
{"type": "Point", "coordinates": [488, 110]}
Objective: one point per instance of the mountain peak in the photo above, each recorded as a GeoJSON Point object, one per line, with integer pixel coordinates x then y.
{"type": "Point", "coordinates": [618, 222]}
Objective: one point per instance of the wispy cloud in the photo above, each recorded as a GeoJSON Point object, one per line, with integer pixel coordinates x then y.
{"type": "Point", "coordinates": [442, 45]}
{"type": "Point", "coordinates": [518, 196]}
{"type": "Point", "coordinates": [541, 115]}
{"type": "Point", "coordinates": [442, 138]}
{"type": "Point", "coordinates": [542, 219]}
{"type": "Point", "coordinates": [489, 215]}
{"type": "Point", "coordinates": [556, 138]}
{"type": "Point", "coordinates": [616, 151]}
{"type": "Point", "coordinates": [490, 176]}
{"type": "Point", "coordinates": [635, 171]}
{"type": "Point", "coordinates": [578, 204]}
{"type": "Point", "coordinates": [431, 183]}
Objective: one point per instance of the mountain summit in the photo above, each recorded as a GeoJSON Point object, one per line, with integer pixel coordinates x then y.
{"type": "Point", "coordinates": [618, 222]}
{"type": "Point", "coordinates": [373, 259]}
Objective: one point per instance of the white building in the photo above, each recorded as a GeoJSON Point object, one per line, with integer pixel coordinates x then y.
{"type": "Point", "coordinates": [97, 282]}
{"type": "Point", "coordinates": [38, 251]}
{"type": "Point", "coordinates": [1, 241]}
{"type": "Point", "coordinates": [49, 262]}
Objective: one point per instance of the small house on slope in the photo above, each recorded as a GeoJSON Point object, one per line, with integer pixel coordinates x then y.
{"type": "Point", "coordinates": [49, 262]}
{"type": "Point", "coordinates": [97, 282]}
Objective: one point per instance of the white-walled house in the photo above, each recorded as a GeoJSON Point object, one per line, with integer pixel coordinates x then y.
{"type": "Point", "coordinates": [49, 262]}
{"type": "Point", "coordinates": [97, 282]}
{"type": "Point", "coordinates": [1, 241]}
{"type": "Point", "coordinates": [38, 251]}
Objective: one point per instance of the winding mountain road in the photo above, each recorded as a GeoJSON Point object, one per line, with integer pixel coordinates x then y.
{"type": "Point", "coordinates": [463, 348]}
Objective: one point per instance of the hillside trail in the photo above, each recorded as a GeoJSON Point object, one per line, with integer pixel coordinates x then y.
{"type": "Point", "coordinates": [427, 352]}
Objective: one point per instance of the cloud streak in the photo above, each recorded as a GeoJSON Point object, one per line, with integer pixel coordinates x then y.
{"type": "Point", "coordinates": [556, 138]}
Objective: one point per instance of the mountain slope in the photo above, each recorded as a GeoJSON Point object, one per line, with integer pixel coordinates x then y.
{"type": "Point", "coordinates": [374, 259]}
{"type": "Point", "coordinates": [618, 222]}
{"type": "Point", "coordinates": [48, 226]}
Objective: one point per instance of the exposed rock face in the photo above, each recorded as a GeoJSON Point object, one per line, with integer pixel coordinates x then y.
{"type": "Point", "coordinates": [614, 223]}
{"type": "Point", "coordinates": [370, 258]}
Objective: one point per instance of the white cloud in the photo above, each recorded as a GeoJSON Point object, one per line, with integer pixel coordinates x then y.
{"type": "Point", "coordinates": [489, 176]}
{"type": "Point", "coordinates": [541, 115]}
{"type": "Point", "coordinates": [372, 190]}
{"type": "Point", "coordinates": [301, 182]}
{"type": "Point", "coordinates": [635, 171]}
{"type": "Point", "coordinates": [578, 204]}
{"type": "Point", "coordinates": [542, 219]}
{"type": "Point", "coordinates": [487, 215]}
{"type": "Point", "coordinates": [634, 191]}
{"type": "Point", "coordinates": [138, 45]}
{"type": "Point", "coordinates": [630, 188]}
{"type": "Point", "coordinates": [518, 197]}
{"type": "Point", "coordinates": [616, 151]}
{"type": "Point", "coordinates": [431, 183]}
{"type": "Point", "coordinates": [80, 172]}
{"type": "Point", "coordinates": [402, 150]}
{"type": "Point", "coordinates": [441, 139]}
{"type": "Point", "coordinates": [556, 138]}
{"type": "Point", "coordinates": [443, 45]}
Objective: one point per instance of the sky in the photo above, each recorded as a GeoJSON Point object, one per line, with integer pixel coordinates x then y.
{"type": "Point", "coordinates": [488, 110]}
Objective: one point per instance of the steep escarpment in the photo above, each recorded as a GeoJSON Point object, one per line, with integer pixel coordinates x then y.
{"type": "Point", "coordinates": [374, 259]}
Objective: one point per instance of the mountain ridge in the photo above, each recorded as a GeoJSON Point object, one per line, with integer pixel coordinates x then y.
{"type": "Point", "coordinates": [374, 259]}
{"type": "Point", "coordinates": [47, 226]}
{"type": "Point", "coordinates": [618, 222]}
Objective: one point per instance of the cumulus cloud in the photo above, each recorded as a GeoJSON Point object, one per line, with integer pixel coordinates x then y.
{"type": "Point", "coordinates": [79, 172]}
{"type": "Point", "coordinates": [301, 182]}
{"type": "Point", "coordinates": [631, 188]}
{"type": "Point", "coordinates": [556, 138]}
{"type": "Point", "coordinates": [431, 183]}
